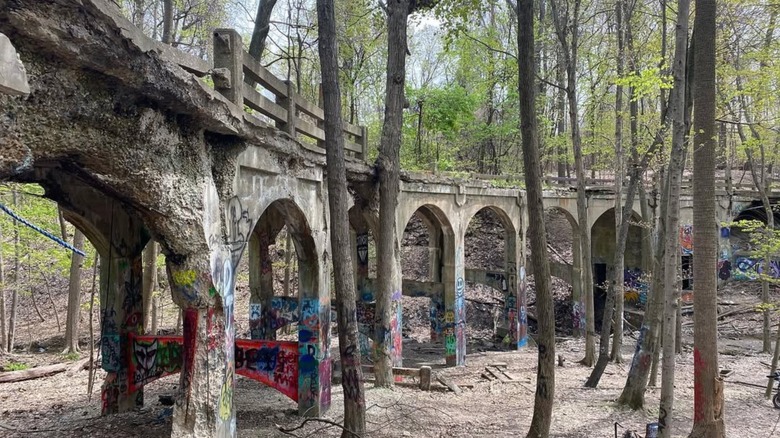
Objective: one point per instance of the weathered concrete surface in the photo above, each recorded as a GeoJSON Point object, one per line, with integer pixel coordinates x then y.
{"type": "Point", "coordinates": [13, 77]}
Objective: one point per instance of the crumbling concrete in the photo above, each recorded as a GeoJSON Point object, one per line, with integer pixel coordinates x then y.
{"type": "Point", "coordinates": [13, 77]}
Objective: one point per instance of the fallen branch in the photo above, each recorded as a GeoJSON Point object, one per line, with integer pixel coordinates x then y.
{"type": "Point", "coordinates": [34, 373]}
{"type": "Point", "coordinates": [290, 431]}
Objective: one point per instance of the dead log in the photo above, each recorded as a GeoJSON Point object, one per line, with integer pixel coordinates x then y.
{"type": "Point", "coordinates": [34, 373]}
{"type": "Point", "coordinates": [448, 383]}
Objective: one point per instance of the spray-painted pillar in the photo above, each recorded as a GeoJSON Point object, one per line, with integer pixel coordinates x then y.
{"type": "Point", "coordinates": [515, 312]}
{"type": "Point", "coordinates": [437, 311]}
{"type": "Point", "coordinates": [121, 304]}
{"type": "Point", "coordinates": [453, 274]}
{"type": "Point", "coordinates": [262, 323]}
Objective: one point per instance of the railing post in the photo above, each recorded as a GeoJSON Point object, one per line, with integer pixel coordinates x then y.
{"type": "Point", "coordinates": [288, 103]}
{"type": "Point", "coordinates": [364, 142]}
{"type": "Point", "coordinates": [229, 65]}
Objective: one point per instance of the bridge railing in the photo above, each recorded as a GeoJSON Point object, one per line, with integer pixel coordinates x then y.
{"type": "Point", "coordinates": [236, 74]}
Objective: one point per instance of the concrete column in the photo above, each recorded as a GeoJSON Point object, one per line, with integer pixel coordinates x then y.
{"type": "Point", "coordinates": [203, 287]}
{"type": "Point", "coordinates": [453, 273]}
{"type": "Point", "coordinates": [314, 362]}
{"type": "Point", "coordinates": [121, 306]}
{"type": "Point", "coordinates": [515, 316]}
{"type": "Point", "coordinates": [577, 298]}
{"type": "Point", "coordinates": [437, 303]}
{"type": "Point", "coordinates": [261, 286]}
{"type": "Point", "coordinates": [365, 299]}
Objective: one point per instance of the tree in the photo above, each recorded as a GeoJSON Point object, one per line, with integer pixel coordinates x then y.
{"type": "Point", "coordinates": [167, 33]}
{"type": "Point", "coordinates": [674, 176]}
{"type": "Point", "coordinates": [545, 369]}
{"type": "Point", "coordinates": [352, 375]}
{"type": "Point", "coordinates": [3, 329]}
{"type": "Point", "coordinates": [15, 291]}
{"type": "Point", "coordinates": [262, 26]}
{"type": "Point", "coordinates": [388, 168]}
{"type": "Point", "coordinates": [708, 386]}
{"type": "Point", "coordinates": [149, 283]}
{"type": "Point", "coordinates": [567, 30]}
{"type": "Point", "coordinates": [74, 296]}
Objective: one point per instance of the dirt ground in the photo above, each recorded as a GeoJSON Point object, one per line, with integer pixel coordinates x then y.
{"type": "Point", "coordinates": [59, 406]}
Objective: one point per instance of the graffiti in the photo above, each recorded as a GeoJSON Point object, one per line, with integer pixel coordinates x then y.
{"type": "Point", "coordinates": [460, 324]}
{"type": "Point", "coordinates": [634, 286]}
{"type": "Point", "coordinates": [686, 239]}
{"type": "Point", "coordinates": [749, 269]}
{"type": "Point", "coordinates": [255, 321]}
{"type": "Point", "coordinates": [238, 227]}
{"type": "Point", "coordinates": [522, 336]}
{"type": "Point", "coordinates": [109, 349]}
{"type": "Point", "coordinates": [745, 269]}
{"type": "Point", "coordinates": [365, 313]}
{"type": "Point", "coordinates": [269, 362]}
{"type": "Point", "coordinates": [724, 269]}
{"type": "Point", "coordinates": [578, 315]}
{"type": "Point", "coordinates": [282, 312]}
{"type": "Point", "coordinates": [324, 379]}
{"type": "Point", "coordinates": [153, 357]}
{"type": "Point", "coordinates": [184, 278]}
{"type": "Point", "coordinates": [437, 317]}
{"type": "Point", "coordinates": [362, 248]}
{"type": "Point", "coordinates": [349, 375]}
{"type": "Point", "coordinates": [308, 371]}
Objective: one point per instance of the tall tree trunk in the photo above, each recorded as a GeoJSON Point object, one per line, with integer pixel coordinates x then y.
{"type": "Point", "coordinates": [149, 282]}
{"type": "Point", "coordinates": [569, 50]}
{"type": "Point", "coordinates": [672, 239]}
{"type": "Point", "coordinates": [3, 328]}
{"type": "Point", "coordinates": [74, 296]}
{"type": "Point", "coordinates": [619, 265]}
{"type": "Point", "coordinates": [545, 370]}
{"type": "Point", "coordinates": [352, 376]}
{"type": "Point", "coordinates": [708, 393]}
{"type": "Point", "coordinates": [15, 290]}
{"type": "Point", "coordinates": [262, 26]}
{"type": "Point", "coordinates": [560, 74]}
{"type": "Point", "coordinates": [167, 33]}
{"type": "Point", "coordinates": [388, 167]}
{"type": "Point", "coordinates": [138, 14]}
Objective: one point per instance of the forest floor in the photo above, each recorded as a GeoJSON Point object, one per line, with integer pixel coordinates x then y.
{"type": "Point", "coordinates": [58, 406]}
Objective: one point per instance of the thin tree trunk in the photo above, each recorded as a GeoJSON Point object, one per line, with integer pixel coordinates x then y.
{"type": "Point", "coordinates": [149, 281]}
{"type": "Point", "coordinates": [569, 50]}
{"type": "Point", "coordinates": [74, 296]}
{"type": "Point", "coordinates": [619, 266]}
{"type": "Point", "coordinates": [545, 371]}
{"type": "Point", "coordinates": [167, 33]}
{"type": "Point", "coordinates": [15, 291]}
{"type": "Point", "coordinates": [708, 394]}
{"type": "Point", "coordinates": [262, 26]}
{"type": "Point", "coordinates": [352, 375]}
{"type": "Point", "coordinates": [91, 374]}
{"type": "Point", "coordinates": [155, 315]}
{"type": "Point", "coordinates": [3, 328]}
{"type": "Point", "coordinates": [388, 167]}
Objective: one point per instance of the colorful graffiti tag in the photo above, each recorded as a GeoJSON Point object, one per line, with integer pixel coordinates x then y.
{"type": "Point", "coordinates": [269, 362]}
{"type": "Point", "coordinates": [152, 357]}
{"type": "Point", "coordinates": [437, 317]}
{"type": "Point", "coordinates": [635, 286]}
{"type": "Point", "coordinates": [686, 239]}
{"type": "Point", "coordinates": [748, 269]}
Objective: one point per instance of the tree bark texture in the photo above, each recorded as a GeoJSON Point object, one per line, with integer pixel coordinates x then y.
{"type": "Point", "coordinates": [706, 421]}
{"type": "Point", "coordinates": [672, 241]}
{"type": "Point", "coordinates": [388, 167]}
{"type": "Point", "coordinates": [3, 328]}
{"type": "Point", "coordinates": [545, 378]}
{"type": "Point", "coordinates": [167, 34]}
{"type": "Point", "coordinates": [262, 26]}
{"type": "Point", "coordinates": [340, 241]}
{"type": "Point", "coordinates": [74, 296]}
{"type": "Point", "coordinates": [15, 290]}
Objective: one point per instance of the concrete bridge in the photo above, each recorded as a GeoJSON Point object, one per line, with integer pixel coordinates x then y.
{"type": "Point", "coordinates": [134, 144]}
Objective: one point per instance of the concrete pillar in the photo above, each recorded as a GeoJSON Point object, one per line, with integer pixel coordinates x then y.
{"type": "Point", "coordinates": [203, 287]}
{"type": "Point", "coordinates": [121, 307]}
{"type": "Point", "coordinates": [314, 362]}
{"type": "Point", "coordinates": [437, 302]}
{"type": "Point", "coordinates": [262, 318]}
{"type": "Point", "coordinates": [515, 315]}
{"type": "Point", "coordinates": [577, 296]}
{"type": "Point", "coordinates": [13, 76]}
{"type": "Point", "coordinates": [365, 295]}
{"type": "Point", "coordinates": [453, 273]}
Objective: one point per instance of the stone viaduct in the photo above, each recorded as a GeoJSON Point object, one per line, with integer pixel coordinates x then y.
{"type": "Point", "coordinates": [131, 141]}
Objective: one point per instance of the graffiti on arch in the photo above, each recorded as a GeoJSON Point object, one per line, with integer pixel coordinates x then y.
{"type": "Point", "coordinates": [686, 239]}
{"type": "Point", "coordinates": [748, 269]}
{"type": "Point", "coordinates": [153, 357]}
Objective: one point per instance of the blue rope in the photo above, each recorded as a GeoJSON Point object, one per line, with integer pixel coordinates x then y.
{"type": "Point", "coordinates": [42, 231]}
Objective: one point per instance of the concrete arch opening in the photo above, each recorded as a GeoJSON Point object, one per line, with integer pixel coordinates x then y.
{"type": "Point", "coordinates": [362, 228]}
{"type": "Point", "coordinates": [428, 267]}
{"type": "Point", "coordinates": [490, 261]}
{"type": "Point", "coordinates": [603, 244]}
{"type": "Point", "coordinates": [565, 267]}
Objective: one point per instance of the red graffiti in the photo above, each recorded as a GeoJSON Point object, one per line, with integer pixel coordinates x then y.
{"type": "Point", "coordinates": [698, 390]}
{"type": "Point", "coordinates": [271, 363]}
{"type": "Point", "coordinates": [190, 340]}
